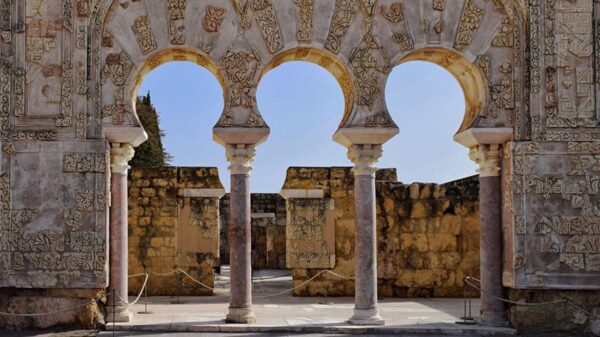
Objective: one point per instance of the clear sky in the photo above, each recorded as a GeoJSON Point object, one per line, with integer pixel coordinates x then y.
{"type": "Point", "coordinates": [303, 105]}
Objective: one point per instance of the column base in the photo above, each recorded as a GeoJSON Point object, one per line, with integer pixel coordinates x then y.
{"type": "Point", "coordinates": [240, 316]}
{"type": "Point", "coordinates": [493, 318]}
{"type": "Point", "coordinates": [366, 317]}
{"type": "Point", "coordinates": [121, 315]}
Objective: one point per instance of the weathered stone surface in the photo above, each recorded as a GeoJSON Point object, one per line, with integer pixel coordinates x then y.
{"type": "Point", "coordinates": [69, 71]}
{"type": "Point", "coordinates": [173, 230]}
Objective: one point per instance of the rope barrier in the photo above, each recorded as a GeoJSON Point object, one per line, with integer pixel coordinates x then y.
{"type": "Point", "coordinates": [468, 280]}
{"type": "Point", "coordinates": [139, 295]}
{"type": "Point", "coordinates": [193, 279]}
{"type": "Point", "coordinates": [58, 311]}
{"type": "Point", "coordinates": [304, 283]}
{"type": "Point", "coordinates": [537, 304]}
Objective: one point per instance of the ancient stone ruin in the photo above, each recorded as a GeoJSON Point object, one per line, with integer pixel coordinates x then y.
{"type": "Point", "coordinates": [69, 73]}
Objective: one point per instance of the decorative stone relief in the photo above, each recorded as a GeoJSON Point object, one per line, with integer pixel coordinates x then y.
{"type": "Point", "coordinates": [574, 73]}
{"type": "Point", "coordinates": [241, 69]}
{"type": "Point", "coordinates": [176, 18]}
{"type": "Point", "coordinates": [266, 18]}
{"type": "Point", "coordinates": [117, 68]}
{"type": "Point", "coordinates": [563, 242]}
{"type": "Point", "coordinates": [202, 214]}
{"type": "Point", "coordinates": [433, 22]}
{"type": "Point", "coordinates": [305, 10]}
{"type": "Point", "coordinates": [145, 37]}
{"type": "Point", "coordinates": [505, 36]}
{"type": "Point", "coordinates": [394, 14]}
{"type": "Point", "coordinates": [369, 64]}
{"type": "Point", "coordinates": [83, 8]}
{"type": "Point", "coordinates": [66, 116]}
{"type": "Point", "coordinates": [469, 22]}
{"type": "Point", "coordinates": [84, 163]}
{"type": "Point", "coordinates": [57, 245]}
{"type": "Point", "coordinates": [6, 21]}
{"type": "Point", "coordinates": [213, 18]}
{"type": "Point", "coordinates": [310, 233]}
{"type": "Point", "coordinates": [343, 16]}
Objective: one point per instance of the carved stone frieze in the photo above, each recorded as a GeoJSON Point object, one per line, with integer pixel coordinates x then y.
{"type": "Point", "coordinates": [369, 64]}
{"type": "Point", "coordinates": [469, 22]}
{"type": "Point", "coordinates": [266, 18]}
{"type": "Point", "coordinates": [305, 9]}
{"type": "Point", "coordinates": [175, 20]}
{"type": "Point", "coordinates": [117, 68]}
{"type": "Point", "coordinates": [343, 16]}
{"type": "Point", "coordinates": [145, 36]}
{"type": "Point", "coordinates": [213, 18]}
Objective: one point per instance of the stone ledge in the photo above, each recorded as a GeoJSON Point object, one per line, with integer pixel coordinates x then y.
{"type": "Point", "coordinates": [302, 193]}
{"type": "Point", "coordinates": [343, 328]}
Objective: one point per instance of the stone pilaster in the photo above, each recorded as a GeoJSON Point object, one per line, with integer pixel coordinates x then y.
{"type": "Point", "coordinates": [120, 155]}
{"type": "Point", "coordinates": [493, 311]}
{"type": "Point", "coordinates": [240, 158]}
{"type": "Point", "coordinates": [366, 311]}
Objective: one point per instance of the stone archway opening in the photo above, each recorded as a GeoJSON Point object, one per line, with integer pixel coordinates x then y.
{"type": "Point", "coordinates": [174, 210]}
{"type": "Point", "coordinates": [428, 218]}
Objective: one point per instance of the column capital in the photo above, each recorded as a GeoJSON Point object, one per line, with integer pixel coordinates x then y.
{"type": "Point", "coordinates": [488, 159]}
{"type": "Point", "coordinates": [365, 157]}
{"type": "Point", "coordinates": [241, 157]}
{"type": "Point", "coordinates": [120, 155]}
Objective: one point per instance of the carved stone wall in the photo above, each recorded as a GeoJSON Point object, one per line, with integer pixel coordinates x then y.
{"type": "Point", "coordinates": [69, 70]}
{"type": "Point", "coordinates": [173, 223]}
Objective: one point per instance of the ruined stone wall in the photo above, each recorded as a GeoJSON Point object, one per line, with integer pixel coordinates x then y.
{"type": "Point", "coordinates": [428, 238]}
{"type": "Point", "coordinates": [428, 234]}
{"type": "Point", "coordinates": [268, 221]}
{"type": "Point", "coordinates": [173, 222]}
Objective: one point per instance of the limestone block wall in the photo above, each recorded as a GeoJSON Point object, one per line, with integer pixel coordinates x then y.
{"type": "Point", "coordinates": [428, 234]}
{"type": "Point", "coordinates": [173, 222]}
{"type": "Point", "coordinates": [428, 238]}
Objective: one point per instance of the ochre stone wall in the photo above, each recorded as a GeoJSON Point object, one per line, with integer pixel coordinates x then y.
{"type": "Point", "coordinates": [428, 234]}
{"type": "Point", "coordinates": [428, 238]}
{"type": "Point", "coordinates": [164, 205]}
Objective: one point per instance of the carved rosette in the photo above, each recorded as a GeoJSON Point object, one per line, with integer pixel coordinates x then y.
{"type": "Point", "coordinates": [120, 155]}
{"type": "Point", "coordinates": [364, 158]}
{"type": "Point", "coordinates": [488, 159]}
{"type": "Point", "coordinates": [240, 156]}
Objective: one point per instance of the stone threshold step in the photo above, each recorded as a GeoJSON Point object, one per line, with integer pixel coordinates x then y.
{"type": "Point", "coordinates": [446, 330]}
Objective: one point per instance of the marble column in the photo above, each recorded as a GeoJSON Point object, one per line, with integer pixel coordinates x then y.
{"type": "Point", "coordinates": [120, 155]}
{"type": "Point", "coordinates": [493, 311]}
{"type": "Point", "coordinates": [366, 311]}
{"type": "Point", "coordinates": [240, 301]}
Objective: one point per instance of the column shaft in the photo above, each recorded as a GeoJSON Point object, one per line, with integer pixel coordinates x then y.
{"type": "Point", "coordinates": [118, 249]}
{"type": "Point", "coordinates": [492, 309]}
{"type": "Point", "coordinates": [365, 243]}
{"type": "Point", "coordinates": [240, 244]}
{"type": "Point", "coordinates": [366, 310]}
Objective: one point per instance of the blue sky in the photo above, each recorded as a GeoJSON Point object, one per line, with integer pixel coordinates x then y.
{"type": "Point", "coordinates": [303, 105]}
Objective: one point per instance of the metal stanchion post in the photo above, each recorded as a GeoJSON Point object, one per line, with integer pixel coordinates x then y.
{"type": "Point", "coordinates": [466, 319]}
{"type": "Point", "coordinates": [179, 280]}
{"type": "Point", "coordinates": [145, 312]}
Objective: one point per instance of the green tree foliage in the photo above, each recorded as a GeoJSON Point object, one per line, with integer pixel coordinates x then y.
{"type": "Point", "coordinates": [151, 153]}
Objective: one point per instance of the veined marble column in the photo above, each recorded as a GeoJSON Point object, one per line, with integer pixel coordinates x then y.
{"type": "Point", "coordinates": [366, 311]}
{"type": "Point", "coordinates": [240, 245]}
{"type": "Point", "coordinates": [120, 155]}
{"type": "Point", "coordinates": [493, 311]}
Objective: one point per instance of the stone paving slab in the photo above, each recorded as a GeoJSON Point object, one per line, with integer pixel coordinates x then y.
{"type": "Point", "coordinates": [306, 315]}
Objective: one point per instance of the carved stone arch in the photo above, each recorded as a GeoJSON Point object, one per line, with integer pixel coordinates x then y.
{"type": "Point", "coordinates": [479, 42]}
